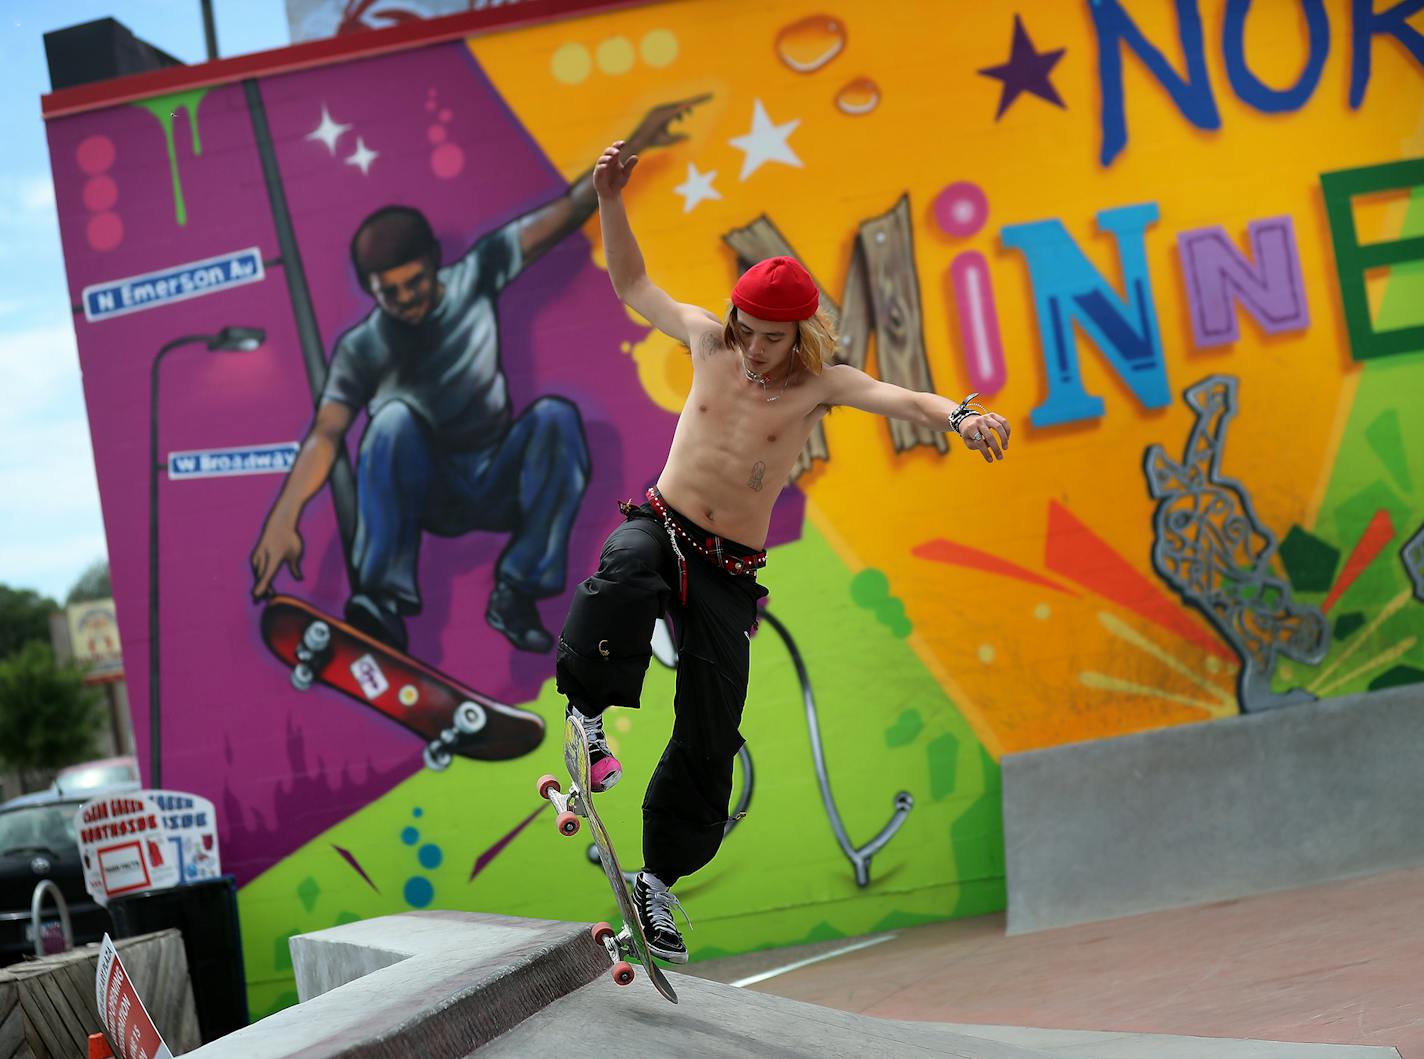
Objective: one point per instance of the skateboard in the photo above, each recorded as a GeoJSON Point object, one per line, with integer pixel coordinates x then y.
{"type": "Point", "coordinates": [452, 718]}
{"type": "Point", "coordinates": [629, 942]}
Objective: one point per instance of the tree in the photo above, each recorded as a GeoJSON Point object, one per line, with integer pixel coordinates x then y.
{"type": "Point", "coordinates": [24, 616]}
{"type": "Point", "coordinates": [48, 716]}
{"type": "Point", "coordinates": [93, 583]}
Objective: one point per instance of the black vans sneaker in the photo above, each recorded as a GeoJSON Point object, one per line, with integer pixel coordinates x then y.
{"type": "Point", "coordinates": [655, 904]}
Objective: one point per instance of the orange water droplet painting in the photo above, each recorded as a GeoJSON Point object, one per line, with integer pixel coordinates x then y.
{"type": "Point", "coordinates": [859, 97]}
{"type": "Point", "coordinates": [808, 44]}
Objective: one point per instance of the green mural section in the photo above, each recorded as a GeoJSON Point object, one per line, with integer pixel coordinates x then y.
{"type": "Point", "coordinates": [477, 836]}
{"type": "Point", "coordinates": [1374, 504]}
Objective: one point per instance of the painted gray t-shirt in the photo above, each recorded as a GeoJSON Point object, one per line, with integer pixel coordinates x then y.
{"type": "Point", "coordinates": [446, 368]}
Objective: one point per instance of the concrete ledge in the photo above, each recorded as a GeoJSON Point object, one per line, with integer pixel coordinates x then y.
{"type": "Point", "coordinates": [713, 1019]}
{"type": "Point", "coordinates": [1214, 811]}
{"type": "Point", "coordinates": [449, 985]}
{"type": "Point", "coordinates": [432, 984]}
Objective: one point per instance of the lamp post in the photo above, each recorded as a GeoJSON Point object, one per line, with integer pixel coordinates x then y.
{"type": "Point", "coordinates": [229, 339]}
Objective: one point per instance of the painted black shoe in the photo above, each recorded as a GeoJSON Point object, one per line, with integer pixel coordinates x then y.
{"type": "Point", "coordinates": [377, 620]}
{"type": "Point", "coordinates": [655, 908]}
{"type": "Point", "coordinates": [514, 614]}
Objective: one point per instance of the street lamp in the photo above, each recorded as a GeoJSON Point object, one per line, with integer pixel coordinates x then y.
{"type": "Point", "coordinates": [229, 339]}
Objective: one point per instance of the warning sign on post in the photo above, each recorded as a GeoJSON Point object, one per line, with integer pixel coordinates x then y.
{"type": "Point", "coordinates": [131, 1032]}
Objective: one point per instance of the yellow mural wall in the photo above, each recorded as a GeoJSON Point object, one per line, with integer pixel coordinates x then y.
{"type": "Point", "coordinates": [849, 106]}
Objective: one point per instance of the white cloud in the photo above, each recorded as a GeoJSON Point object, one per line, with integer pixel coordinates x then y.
{"type": "Point", "coordinates": [50, 521]}
{"type": "Point", "coordinates": [37, 365]}
{"type": "Point", "coordinates": [37, 193]}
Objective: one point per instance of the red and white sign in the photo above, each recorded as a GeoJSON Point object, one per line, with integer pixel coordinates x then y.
{"type": "Point", "coordinates": [131, 1032]}
{"type": "Point", "coordinates": [123, 846]}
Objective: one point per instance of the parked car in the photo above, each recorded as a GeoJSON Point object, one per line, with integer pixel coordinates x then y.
{"type": "Point", "coordinates": [92, 775]}
{"type": "Point", "coordinates": [38, 841]}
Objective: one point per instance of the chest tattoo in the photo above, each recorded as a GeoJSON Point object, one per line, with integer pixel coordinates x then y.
{"type": "Point", "coordinates": [758, 472]}
{"type": "Point", "coordinates": [710, 343]}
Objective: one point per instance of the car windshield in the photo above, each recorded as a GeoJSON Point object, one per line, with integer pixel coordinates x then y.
{"type": "Point", "coordinates": [96, 776]}
{"type": "Point", "coordinates": [48, 827]}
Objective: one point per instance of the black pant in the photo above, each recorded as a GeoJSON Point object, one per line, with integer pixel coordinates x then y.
{"type": "Point", "coordinates": [603, 656]}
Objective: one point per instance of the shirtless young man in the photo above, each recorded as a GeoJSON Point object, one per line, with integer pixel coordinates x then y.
{"type": "Point", "coordinates": [760, 383]}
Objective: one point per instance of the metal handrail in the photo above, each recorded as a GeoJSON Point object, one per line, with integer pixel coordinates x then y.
{"type": "Point", "coordinates": [37, 902]}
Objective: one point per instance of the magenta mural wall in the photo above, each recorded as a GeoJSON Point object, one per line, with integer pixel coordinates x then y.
{"type": "Point", "coordinates": [166, 186]}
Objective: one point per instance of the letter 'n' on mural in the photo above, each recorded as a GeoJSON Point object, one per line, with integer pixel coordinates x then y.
{"type": "Point", "coordinates": [1068, 289]}
{"type": "Point", "coordinates": [363, 402]}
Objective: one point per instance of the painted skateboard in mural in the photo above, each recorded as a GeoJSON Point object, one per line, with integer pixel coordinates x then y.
{"type": "Point", "coordinates": [630, 942]}
{"type": "Point", "coordinates": [452, 718]}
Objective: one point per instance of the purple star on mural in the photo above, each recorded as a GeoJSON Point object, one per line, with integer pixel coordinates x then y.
{"type": "Point", "coordinates": [1026, 71]}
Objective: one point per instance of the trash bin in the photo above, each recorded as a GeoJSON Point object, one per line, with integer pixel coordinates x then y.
{"type": "Point", "coordinates": [206, 913]}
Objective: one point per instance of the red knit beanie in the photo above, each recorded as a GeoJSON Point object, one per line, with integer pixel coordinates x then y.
{"type": "Point", "coordinates": [778, 288]}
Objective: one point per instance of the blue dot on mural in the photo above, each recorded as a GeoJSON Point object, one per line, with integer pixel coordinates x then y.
{"type": "Point", "coordinates": [430, 856]}
{"type": "Point", "coordinates": [418, 891]}
{"type": "Point", "coordinates": [417, 811]}
{"type": "Point", "coordinates": [410, 836]}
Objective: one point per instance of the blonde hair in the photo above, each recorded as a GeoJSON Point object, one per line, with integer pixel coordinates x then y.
{"type": "Point", "coordinates": [815, 342]}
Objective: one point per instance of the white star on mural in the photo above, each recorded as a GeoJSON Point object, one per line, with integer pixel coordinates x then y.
{"type": "Point", "coordinates": [697, 188]}
{"type": "Point", "coordinates": [766, 142]}
{"type": "Point", "coordinates": [363, 156]}
{"type": "Point", "coordinates": [329, 131]}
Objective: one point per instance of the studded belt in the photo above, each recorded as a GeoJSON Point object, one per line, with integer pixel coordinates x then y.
{"type": "Point", "coordinates": [734, 558]}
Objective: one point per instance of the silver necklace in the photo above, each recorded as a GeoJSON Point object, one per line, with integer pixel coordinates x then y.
{"type": "Point", "coordinates": [755, 376]}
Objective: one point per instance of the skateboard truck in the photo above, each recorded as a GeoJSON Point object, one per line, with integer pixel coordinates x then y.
{"type": "Point", "coordinates": [619, 946]}
{"type": "Point", "coordinates": [311, 649]}
{"type": "Point", "coordinates": [469, 719]}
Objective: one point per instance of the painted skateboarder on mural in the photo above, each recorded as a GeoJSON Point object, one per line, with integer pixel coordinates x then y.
{"type": "Point", "coordinates": [761, 380]}
{"type": "Point", "coordinates": [443, 451]}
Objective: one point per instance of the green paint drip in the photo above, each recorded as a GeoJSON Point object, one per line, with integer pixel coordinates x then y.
{"type": "Point", "coordinates": [165, 109]}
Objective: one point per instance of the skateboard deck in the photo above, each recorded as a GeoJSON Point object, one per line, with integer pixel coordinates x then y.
{"type": "Point", "coordinates": [630, 941]}
{"type": "Point", "coordinates": [452, 718]}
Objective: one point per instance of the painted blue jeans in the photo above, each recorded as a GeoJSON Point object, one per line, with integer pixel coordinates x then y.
{"type": "Point", "coordinates": [529, 485]}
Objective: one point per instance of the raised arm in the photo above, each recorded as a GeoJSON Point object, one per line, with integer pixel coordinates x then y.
{"type": "Point", "coordinates": [545, 225]}
{"type": "Point", "coordinates": [625, 261]}
{"type": "Point", "coordinates": [855, 389]}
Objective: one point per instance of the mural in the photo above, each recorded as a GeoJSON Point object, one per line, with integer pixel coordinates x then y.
{"type": "Point", "coordinates": [363, 405]}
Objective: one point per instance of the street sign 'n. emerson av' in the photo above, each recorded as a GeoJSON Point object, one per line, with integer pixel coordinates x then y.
{"type": "Point", "coordinates": [103, 301]}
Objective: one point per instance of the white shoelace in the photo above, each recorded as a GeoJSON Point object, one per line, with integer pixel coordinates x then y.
{"type": "Point", "coordinates": [593, 728]}
{"type": "Point", "coordinates": [661, 904]}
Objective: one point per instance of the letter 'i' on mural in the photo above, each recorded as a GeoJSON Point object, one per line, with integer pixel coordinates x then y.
{"type": "Point", "coordinates": [961, 210]}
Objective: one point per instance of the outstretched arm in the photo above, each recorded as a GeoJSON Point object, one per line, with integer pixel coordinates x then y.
{"type": "Point", "coordinates": [987, 434]}
{"type": "Point", "coordinates": [280, 541]}
{"type": "Point", "coordinates": [545, 225]}
{"type": "Point", "coordinates": [626, 269]}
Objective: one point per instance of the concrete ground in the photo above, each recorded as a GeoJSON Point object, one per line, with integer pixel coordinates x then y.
{"type": "Point", "coordinates": [1333, 964]}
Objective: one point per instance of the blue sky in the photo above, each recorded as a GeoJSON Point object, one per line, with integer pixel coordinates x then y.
{"type": "Point", "coordinates": [51, 527]}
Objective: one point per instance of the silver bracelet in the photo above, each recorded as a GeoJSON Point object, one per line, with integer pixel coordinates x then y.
{"type": "Point", "coordinates": [964, 410]}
